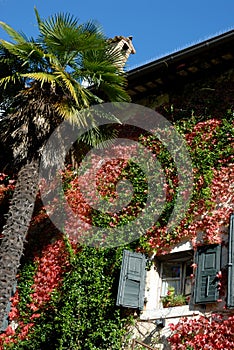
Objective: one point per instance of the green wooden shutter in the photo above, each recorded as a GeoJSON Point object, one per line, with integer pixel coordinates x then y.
{"type": "Point", "coordinates": [230, 290]}
{"type": "Point", "coordinates": [132, 280]}
{"type": "Point", "coordinates": [208, 264]}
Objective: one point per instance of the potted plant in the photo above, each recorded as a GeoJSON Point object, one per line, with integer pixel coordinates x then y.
{"type": "Point", "coordinates": [171, 299]}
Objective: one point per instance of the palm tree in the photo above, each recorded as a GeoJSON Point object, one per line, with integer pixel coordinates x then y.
{"type": "Point", "coordinates": [52, 71]}
{"type": "Point", "coordinates": [8, 64]}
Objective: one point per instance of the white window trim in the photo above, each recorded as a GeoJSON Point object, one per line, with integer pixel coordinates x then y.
{"type": "Point", "coordinates": [169, 312]}
{"type": "Point", "coordinates": [153, 307]}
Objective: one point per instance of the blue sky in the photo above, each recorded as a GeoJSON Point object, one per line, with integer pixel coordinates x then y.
{"type": "Point", "coordinates": [158, 27]}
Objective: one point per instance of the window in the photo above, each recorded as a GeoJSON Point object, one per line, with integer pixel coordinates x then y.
{"type": "Point", "coordinates": [175, 272]}
{"type": "Point", "coordinates": [176, 275]}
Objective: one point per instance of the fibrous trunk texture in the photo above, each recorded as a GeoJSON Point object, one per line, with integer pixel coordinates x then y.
{"type": "Point", "coordinates": [15, 231]}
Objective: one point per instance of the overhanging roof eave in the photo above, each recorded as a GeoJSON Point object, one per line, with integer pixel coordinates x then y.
{"type": "Point", "coordinates": [182, 54]}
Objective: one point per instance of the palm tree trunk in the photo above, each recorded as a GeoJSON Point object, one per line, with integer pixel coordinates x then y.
{"type": "Point", "coordinates": [15, 231]}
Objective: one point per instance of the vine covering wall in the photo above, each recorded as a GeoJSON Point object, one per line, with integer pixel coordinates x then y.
{"type": "Point", "coordinates": [202, 107]}
{"type": "Point", "coordinates": [66, 291]}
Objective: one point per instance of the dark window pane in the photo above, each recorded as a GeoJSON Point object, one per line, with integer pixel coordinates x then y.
{"type": "Point", "coordinates": [171, 270]}
{"type": "Point", "coordinates": [189, 269]}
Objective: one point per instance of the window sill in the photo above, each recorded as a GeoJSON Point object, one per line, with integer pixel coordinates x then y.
{"type": "Point", "coordinates": [169, 312]}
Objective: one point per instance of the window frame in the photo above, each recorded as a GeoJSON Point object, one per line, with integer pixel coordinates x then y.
{"type": "Point", "coordinates": [181, 258]}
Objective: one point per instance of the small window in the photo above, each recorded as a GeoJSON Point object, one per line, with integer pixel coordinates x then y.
{"type": "Point", "coordinates": [178, 276]}
{"type": "Point", "coordinates": [176, 270]}
{"type": "Point", "coordinates": [171, 277]}
{"type": "Point", "coordinates": [125, 47]}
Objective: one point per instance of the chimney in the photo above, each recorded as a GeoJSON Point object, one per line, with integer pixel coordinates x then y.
{"type": "Point", "coordinates": [124, 45]}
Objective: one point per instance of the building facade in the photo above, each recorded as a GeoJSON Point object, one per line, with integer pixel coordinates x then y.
{"type": "Point", "coordinates": [194, 276]}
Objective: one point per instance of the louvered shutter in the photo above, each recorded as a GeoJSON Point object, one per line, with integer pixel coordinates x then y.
{"type": "Point", "coordinates": [230, 291]}
{"type": "Point", "coordinates": [132, 280]}
{"type": "Point", "coordinates": [208, 264]}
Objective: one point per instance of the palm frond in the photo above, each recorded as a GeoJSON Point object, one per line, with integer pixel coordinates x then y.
{"type": "Point", "coordinates": [114, 92]}
{"type": "Point", "coordinates": [99, 137]}
{"type": "Point", "coordinates": [56, 29]}
{"type": "Point", "coordinates": [102, 135]}
{"type": "Point", "coordinates": [65, 80]}
{"type": "Point", "coordinates": [10, 79]}
{"type": "Point", "coordinates": [42, 77]}
{"type": "Point", "coordinates": [114, 56]}
{"type": "Point", "coordinates": [53, 23]}
{"type": "Point", "coordinates": [93, 27]}
{"type": "Point", "coordinates": [56, 64]}
{"type": "Point", "coordinates": [71, 113]}
{"type": "Point", "coordinates": [102, 61]}
{"type": "Point", "coordinates": [26, 51]}
{"type": "Point", "coordinates": [62, 34]}
{"type": "Point", "coordinates": [38, 18]}
{"type": "Point", "coordinates": [8, 46]}
{"type": "Point", "coordinates": [16, 36]}
{"type": "Point", "coordinates": [102, 69]}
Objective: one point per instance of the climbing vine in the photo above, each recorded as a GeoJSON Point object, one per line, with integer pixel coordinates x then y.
{"type": "Point", "coordinates": [210, 145]}
{"type": "Point", "coordinates": [66, 291]}
{"type": "Point", "coordinates": [65, 299]}
{"type": "Point", "coordinates": [213, 332]}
